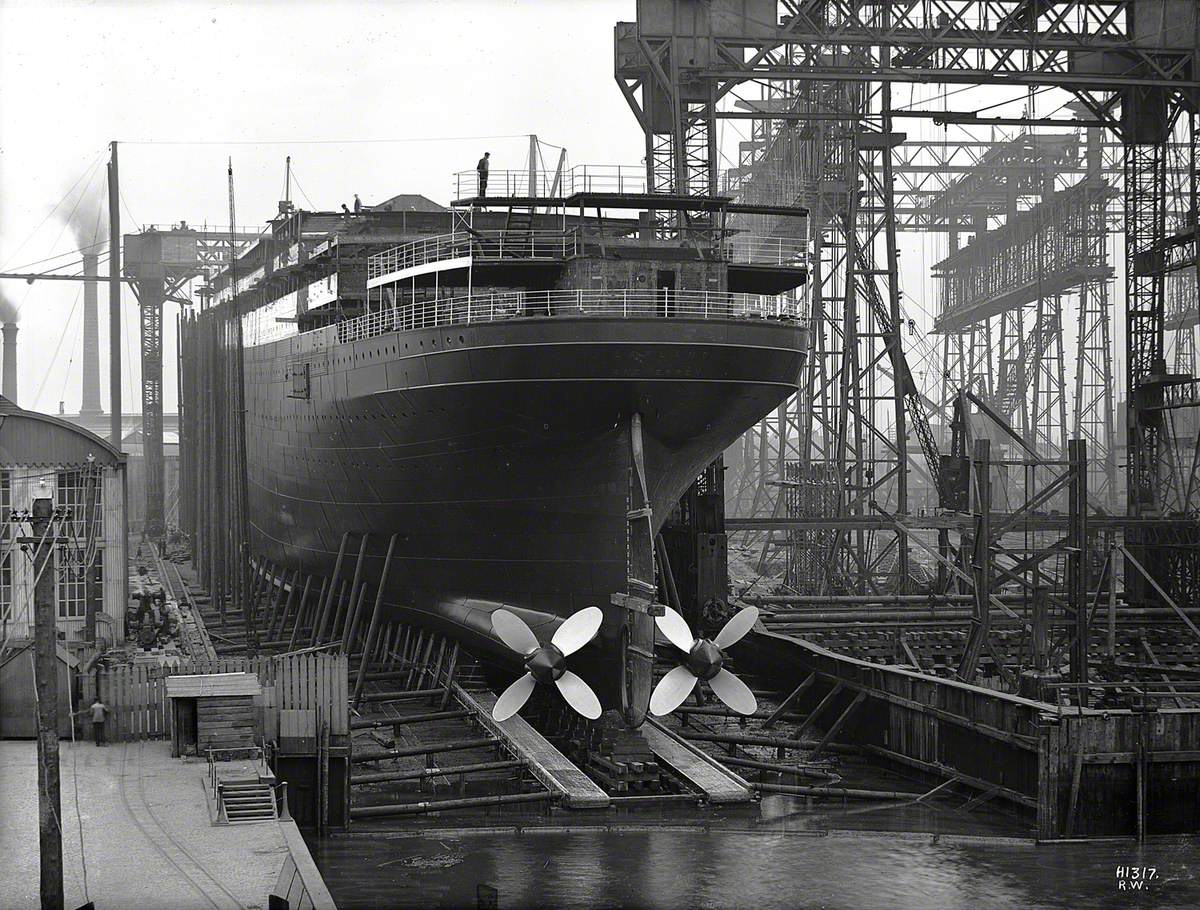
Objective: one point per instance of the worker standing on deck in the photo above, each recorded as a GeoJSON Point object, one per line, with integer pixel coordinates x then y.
{"type": "Point", "coordinates": [357, 204]}
{"type": "Point", "coordinates": [99, 711]}
{"type": "Point", "coordinates": [482, 170]}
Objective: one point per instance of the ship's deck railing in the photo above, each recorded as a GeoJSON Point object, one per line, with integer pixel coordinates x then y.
{"type": "Point", "coordinates": [497, 245]}
{"type": "Point", "coordinates": [610, 304]}
{"type": "Point", "coordinates": [583, 178]}
{"type": "Point", "coordinates": [755, 249]}
{"type": "Point", "coordinates": [488, 246]}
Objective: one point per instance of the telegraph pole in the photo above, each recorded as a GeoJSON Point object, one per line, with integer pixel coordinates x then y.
{"type": "Point", "coordinates": [114, 296]}
{"type": "Point", "coordinates": [45, 668]}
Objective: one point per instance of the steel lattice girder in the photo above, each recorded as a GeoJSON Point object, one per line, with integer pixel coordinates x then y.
{"type": "Point", "coordinates": [1056, 246]}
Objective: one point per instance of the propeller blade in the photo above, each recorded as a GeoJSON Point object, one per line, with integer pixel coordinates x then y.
{"type": "Point", "coordinates": [734, 692]}
{"type": "Point", "coordinates": [671, 690]}
{"type": "Point", "coordinates": [578, 630]}
{"type": "Point", "coordinates": [737, 627]}
{"type": "Point", "coordinates": [513, 632]}
{"type": "Point", "coordinates": [579, 694]}
{"type": "Point", "coordinates": [675, 628]}
{"type": "Point", "coordinates": [513, 698]}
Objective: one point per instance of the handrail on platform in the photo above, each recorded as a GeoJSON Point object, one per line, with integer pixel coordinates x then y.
{"type": "Point", "coordinates": [613, 304]}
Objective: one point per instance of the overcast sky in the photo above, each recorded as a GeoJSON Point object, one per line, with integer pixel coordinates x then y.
{"type": "Point", "coordinates": [173, 81]}
{"type": "Point", "coordinates": [375, 98]}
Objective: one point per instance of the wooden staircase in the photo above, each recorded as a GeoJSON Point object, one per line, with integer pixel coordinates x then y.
{"type": "Point", "coordinates": [246, 800]}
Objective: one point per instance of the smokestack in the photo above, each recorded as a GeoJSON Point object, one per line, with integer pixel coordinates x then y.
{"type": "Point", "coordinates": [8, 385]}
{"type": "Point", "coordinates": [91, 340]}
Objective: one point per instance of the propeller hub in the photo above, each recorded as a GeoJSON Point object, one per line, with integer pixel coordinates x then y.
{"type": "Point", "coordinates": [705, 659]}
{"type": "Point", "coordinates": [546, 664]}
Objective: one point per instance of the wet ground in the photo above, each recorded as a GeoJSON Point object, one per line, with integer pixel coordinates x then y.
{"type": "Point", "coordinates": [780, 854]}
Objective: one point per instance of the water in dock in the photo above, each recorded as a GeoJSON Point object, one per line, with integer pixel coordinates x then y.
{"type": "Point", "coordinates": [780, 855]}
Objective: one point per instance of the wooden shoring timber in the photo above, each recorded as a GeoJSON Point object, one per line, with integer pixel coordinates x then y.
{"type": "Point", "coordinates": [284, 590]}
{"type": "Point", "coordinates": [405, 651]}
{"type": "Point", "coordinates": [837, 725]}
{"type": "Point", "coordinates": [786, 703]}
{"type": "Point", "coordinates": [824, 703]}
{"type": "Point", "coordinates": [418, 646]}
{"type": "Point", "coordinates": [342, 620]}
{"type": "Point", "coordinates": [371, 645]}
{"type": "Point", "coordinates": [258, 587]}
{"type": "Point", "coordinates": [308, 613]}
{"type": "Point", "coordinates": [318, 631]}
{"type": "Point", "coordinates": [355, 605]}
{"type": "Point", "coordinates": [450, 671]}
{"type": "Point", "coordinates": [443, 651]}
{"type": "Point", "coordinates": [294, 596]}
{"type": "Point", "coordinates": [384, 654]}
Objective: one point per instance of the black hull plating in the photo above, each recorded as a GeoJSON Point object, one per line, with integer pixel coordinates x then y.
{"type": "Point", "coordinates": [498, 454]}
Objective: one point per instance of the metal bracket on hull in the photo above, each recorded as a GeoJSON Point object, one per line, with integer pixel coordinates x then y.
{"type": "Point", "coordinates": [637, 637]}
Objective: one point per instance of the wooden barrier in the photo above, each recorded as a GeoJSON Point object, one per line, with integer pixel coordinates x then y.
{"type": "Point", "coordinates": [1076, 772]}
{"type": "Point", "coordinates": [306, 681]}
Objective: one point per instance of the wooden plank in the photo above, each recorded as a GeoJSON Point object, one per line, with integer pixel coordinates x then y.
{"type": "Point", "coordinates": [837, 725]}
{"type": "Point", "coordinates": [1127, 758]}
{"type": "Point", "coordinates": [718, 783]}
{"type": "Point", "coordinates": [553, 769]}
{"type": "Point", "coordinates": [787, 702]}
{"type": "Point", "coordinates": [838, 686]}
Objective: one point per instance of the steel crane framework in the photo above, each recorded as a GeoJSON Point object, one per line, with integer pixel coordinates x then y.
{"type": "Point", "coordinates": [823, 136]}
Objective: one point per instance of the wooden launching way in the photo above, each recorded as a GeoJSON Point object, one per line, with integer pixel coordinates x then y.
{"type": "Point", "coordinates": [553, 769]}
{"type": "Point", "coordinates": [706, 774]}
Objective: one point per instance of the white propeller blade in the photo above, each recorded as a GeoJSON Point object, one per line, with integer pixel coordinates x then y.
{"type": "Point", "coordinates": [671, 690]}
{"type": "Point", "coordinates": [579, 694]}
{"type": "Point", "coordinates": [577, 631]}
{"type": "Point", "coordinates": [737, 627]}
{"type": "Point", "coordinates": [513, 632]}
{"type": "Point", "coordinates": [733, 691]}
{"type": "Point", "coordinates": [513, 698]}
{"type": "Point", "coordinates": [675, 628]}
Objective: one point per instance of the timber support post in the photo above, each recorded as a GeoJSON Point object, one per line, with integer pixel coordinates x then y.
{"type": "Point", "coordinates": [373, 625]}
{"type": "Point", "coordinates": [341, 622]}
{"type": "Point", "coordinates": [318, 631]}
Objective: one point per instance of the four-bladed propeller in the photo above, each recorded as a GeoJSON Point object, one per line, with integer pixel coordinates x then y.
{"type": "Point", "coordinates": [547, 663]}
{"type": "Point", "coordinates": [704, 660]}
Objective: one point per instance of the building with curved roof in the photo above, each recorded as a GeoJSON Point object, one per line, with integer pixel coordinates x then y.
{"type": "Point", "coordinates": [84, 476]}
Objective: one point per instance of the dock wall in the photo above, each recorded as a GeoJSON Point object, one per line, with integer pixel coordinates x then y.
{"type": "Point", "coordinates": [1071, 772]}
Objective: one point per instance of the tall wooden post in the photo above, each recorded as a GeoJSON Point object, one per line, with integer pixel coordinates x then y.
{"type": "Point", "coordinates": [46, 682]}
{"type": "Point", "coordinates": [1077, 566]}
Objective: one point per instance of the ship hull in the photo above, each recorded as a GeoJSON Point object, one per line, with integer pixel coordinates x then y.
{"type": "Point", "coordinates": [496, 455]}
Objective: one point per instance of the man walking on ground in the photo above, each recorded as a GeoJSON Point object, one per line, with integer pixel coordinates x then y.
{"type": "Point", "coordinates": [99, 710]}
{"type": "Point", "coordinates": [482, 170]}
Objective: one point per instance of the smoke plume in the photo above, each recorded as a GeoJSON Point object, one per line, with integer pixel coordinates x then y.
{"type": "Point", "coordinates": [88, 218]}
{"type": "Point", "coordinates": [8, 310]}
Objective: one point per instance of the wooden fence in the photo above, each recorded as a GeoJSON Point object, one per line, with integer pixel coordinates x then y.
{"type": "Point", "coordinates": [137, 696]}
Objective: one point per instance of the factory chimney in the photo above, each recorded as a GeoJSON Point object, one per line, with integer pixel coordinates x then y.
{"type": "Point", "coordinates": [91, 339]}
{"type": "Point", "coordinates": [8, 385]}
